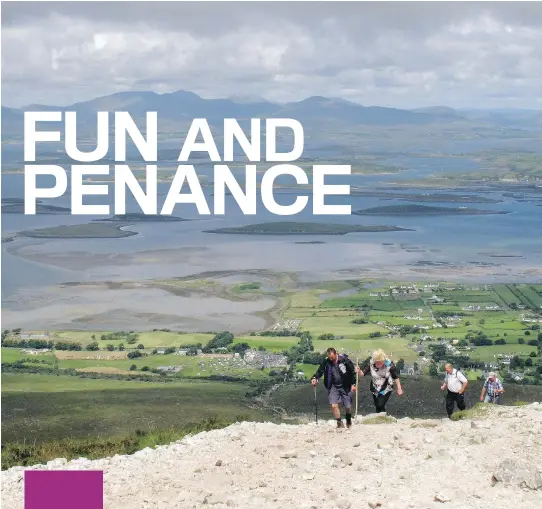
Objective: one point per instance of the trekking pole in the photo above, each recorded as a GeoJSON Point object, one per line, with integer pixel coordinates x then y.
{"type": "Point", "coordinates": [315, 405]}
{"type": "Point", "coordinates": [357, 389]}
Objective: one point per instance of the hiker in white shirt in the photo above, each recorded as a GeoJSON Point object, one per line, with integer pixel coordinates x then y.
{"type": "Point", "coordinates": [456, 383]}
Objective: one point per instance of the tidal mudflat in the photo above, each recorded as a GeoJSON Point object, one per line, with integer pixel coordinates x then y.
{"type": "Point", "coordinates": [169, 288]}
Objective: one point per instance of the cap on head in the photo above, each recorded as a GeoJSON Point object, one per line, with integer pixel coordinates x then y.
{"type": "Point", "coordinates": [492, 374]}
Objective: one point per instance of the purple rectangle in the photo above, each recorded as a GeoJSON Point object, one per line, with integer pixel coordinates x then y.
{"type": "Point", "coordinates": [63, 489]}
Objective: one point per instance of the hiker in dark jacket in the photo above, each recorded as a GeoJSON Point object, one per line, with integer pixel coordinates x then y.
{"type": "Point", "coordinates": [340, 381]}
{"type": "Point", "coordinates": [383, 379]}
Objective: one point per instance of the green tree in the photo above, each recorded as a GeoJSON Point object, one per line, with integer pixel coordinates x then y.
{"type": "Point", "coordinates": [110, 347]}
{"type": "Point", "coordinates": [400, 365]}
{"type": "Point", "coordinates": [528, 362]}
{"type": "Point", "coordinates": [240, 348]}
{"type": "Point", "coordinates": [326, 337]}
{"type": "Point", "coordinates": [521, 341]}
{"type": "Point", "coordinates": [220, 340]}
{"type": "Point", "coordinates": [140, 346]}
{"type": "Point", "coordinates": [433, 370]}
{"type": "Point", "coordinates": [516, 362]}
{"type": "Point", "coordinates": [121, 347]}
{"type": "Point", "coordinates": [93, 347]}
{"type": "Point", "coordinates": [133, 367]}
{"type": "Point", "coordinates": [533, 354]}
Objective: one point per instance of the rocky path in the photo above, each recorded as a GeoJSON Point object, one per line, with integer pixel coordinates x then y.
{"type": "Point", "coordinates": [489, 463]}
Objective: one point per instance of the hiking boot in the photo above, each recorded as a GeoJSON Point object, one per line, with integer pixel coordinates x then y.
{"type": "Point", "coordinates": [348, 424]}
{"type": "Point", "coordinates": [340, 424]}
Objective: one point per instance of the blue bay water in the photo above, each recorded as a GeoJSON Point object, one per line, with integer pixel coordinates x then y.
{"type": "Point", "coordinates": [458, 239]}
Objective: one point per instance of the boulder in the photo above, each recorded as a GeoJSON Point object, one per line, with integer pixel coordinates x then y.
{"type": "Point", "coordinates": [518, 472]}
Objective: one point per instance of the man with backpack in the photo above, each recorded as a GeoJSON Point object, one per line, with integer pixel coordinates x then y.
{"type": "Point", "coordinates": [456, 383]}
{"type": "Point", "coordinates": [340, 381]}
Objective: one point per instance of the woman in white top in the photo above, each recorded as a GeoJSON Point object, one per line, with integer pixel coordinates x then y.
{"type": "Point", "coordinates": [384, 378]}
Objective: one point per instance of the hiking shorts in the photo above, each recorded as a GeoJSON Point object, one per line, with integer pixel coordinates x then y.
{"type": "Point", "coordinates": [336, 396]}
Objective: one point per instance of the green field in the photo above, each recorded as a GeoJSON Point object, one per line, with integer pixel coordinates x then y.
{"type": "Point", "coordinates": [148, 339]}
{"type": "Point", "coordinates": [271, 343]}
{"type": "Point", "coordinates": [99, 417]}
{"type": "Point", "coordinates": [41, 407]}
{"type": "Point", "coordinates": [15, 354]}
{"type": "Point", "coordinates": [506, 295]}
{"type": "Point", "coordinates": [487, 353]}
{"type": "Point", "coordinates": [191, 366]}
{"type": "Point", "coordinates": [330, 308]}
{"type": "Point", "coordinates": [396, 348]}
{"type": "Point", "coordinates": [339, 326]}
{"type": "Point", "coordinates": [530, 296]}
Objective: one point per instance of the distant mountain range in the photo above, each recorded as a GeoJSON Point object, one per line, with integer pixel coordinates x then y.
{"type": "Point", "coordinates": [183, 106]}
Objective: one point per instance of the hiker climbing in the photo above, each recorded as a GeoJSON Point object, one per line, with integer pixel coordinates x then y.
{"type": "Point", "coordinates": [492, 389]}
{"type": "Point", "coordinates": [456, 383]}
{"type": "Point", "coordinates": [340, 381]}
{"type": "Point", "coordinates": [384, 377]}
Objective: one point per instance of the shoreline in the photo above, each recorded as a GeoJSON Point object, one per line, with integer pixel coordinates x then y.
{"type": "Point", "coordinates": [141, 305]}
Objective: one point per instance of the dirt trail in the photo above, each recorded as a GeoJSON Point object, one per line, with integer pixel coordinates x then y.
{"type": "Point", "coordinates": [493, 462]}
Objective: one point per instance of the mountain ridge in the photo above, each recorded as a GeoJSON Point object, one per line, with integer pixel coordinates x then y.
{"type": "Point", "coordinates": [183, 104]}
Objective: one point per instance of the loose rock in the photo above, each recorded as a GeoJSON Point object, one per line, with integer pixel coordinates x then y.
{"type": "Point", "coordinates": [442, 497]}
{"type": "Point", "coordinates": [518, 472]}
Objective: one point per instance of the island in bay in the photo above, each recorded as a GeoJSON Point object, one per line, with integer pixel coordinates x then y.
{"type": "Point", "coordinates": [423, 210]}
{"type": "Point", "coordinates": [297, 228]}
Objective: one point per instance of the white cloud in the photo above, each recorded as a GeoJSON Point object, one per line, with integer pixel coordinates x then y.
{"type": "Point", "coordinates": [389, 57]}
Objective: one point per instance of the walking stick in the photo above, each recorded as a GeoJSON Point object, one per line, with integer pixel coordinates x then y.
{"type": "Point", "coordinates": [315, 405]}
{"type": "Point", "coordinates": [357, 389]}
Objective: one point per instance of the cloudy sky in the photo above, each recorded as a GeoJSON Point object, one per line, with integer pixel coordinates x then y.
{"type": "Point", "coordinates": [402, 54]}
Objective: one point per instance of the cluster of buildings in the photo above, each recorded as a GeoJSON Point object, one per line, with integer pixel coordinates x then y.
{"type": "Point", "coordinates": [531, 319]}
{"type": "Point", "coordinates": [226, 362]}
{"type": "Point", "coordinates": [265, 359]}
{"type": "Point", "coordinates": [492, 307]}
{"type": "Point", "coordinates": [182, 351]}
{"type": "Point", "coordinates": [170, 369]}
{"type": "Point", "coordinates": [404, 289]}
{"type": "Point", "coordinates": [35, 352]}
{"type": "Point", "coordinates": [290, 324]}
